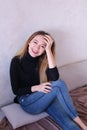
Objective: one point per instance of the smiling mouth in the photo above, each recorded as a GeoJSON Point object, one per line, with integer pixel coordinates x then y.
{"type": "Point", "coordinates": [34, 52]}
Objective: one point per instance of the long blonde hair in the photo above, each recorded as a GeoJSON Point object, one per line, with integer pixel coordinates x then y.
{"type": "Point", "coordinates": [43, 63]}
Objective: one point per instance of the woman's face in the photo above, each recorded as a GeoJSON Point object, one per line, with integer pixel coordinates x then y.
{"type": "Point", "coordinates": [37, 46]}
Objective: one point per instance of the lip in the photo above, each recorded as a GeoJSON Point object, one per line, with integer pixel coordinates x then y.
{"type": "Point", "coordinates": [34, 52]}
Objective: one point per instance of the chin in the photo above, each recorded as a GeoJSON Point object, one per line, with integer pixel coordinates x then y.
{"type": "Point", "coordinates": [34, 55]}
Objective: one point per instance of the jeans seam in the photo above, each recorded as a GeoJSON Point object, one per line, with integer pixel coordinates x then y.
{"type": "Point", "coordinates": [67, 105]}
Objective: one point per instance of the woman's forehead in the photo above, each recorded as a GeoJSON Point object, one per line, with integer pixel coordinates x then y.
{"type": "Point", "coordinates": [40, 38]}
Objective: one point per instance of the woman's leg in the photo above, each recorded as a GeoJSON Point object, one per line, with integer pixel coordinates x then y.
{"type": "Point", "coordinates": [56, 111]}
{"type": "Point", "coordinates": [42, 100]}
{"type": "Point", "coordinates": [64, 98]}
{"type": "Point", "coordinates": [66, 102]}
{"type": "Point", "coordinates": [37, 102]}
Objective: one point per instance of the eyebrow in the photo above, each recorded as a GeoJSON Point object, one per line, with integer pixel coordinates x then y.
{"type": "Point", "coordinates": [35, 40]}
{"type": "Point", "coordinates": [38, 41]}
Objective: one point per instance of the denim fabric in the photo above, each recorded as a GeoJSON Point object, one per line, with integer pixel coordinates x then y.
{"type": "Point", "coordinates": [57, 103]}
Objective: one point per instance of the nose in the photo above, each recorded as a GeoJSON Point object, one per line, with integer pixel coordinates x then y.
{"type": "Point", "coordinates": [37, 47]}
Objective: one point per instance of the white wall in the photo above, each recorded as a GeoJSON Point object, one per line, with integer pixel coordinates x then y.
{"type": "Point", "coordinates": [66, 20]}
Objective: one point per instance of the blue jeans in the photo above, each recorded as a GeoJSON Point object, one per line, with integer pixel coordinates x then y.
{"type": "Point", "coordinates": [57, 103]}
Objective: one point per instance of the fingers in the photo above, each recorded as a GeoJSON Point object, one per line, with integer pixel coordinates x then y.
{"type": "Point", "coordinates": [47, 83]}
{"type": "Point", "coordinates": [47, 90]}
{"type": "Point", "coordinates": [48, 39]}
{"type": "Point", "coordinates": [47, 87]}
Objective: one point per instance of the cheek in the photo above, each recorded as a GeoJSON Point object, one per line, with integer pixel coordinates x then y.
{"type": "Point", "coordinates": [31, 46]}
{"type": "Point", "coordinates": [42, 51]}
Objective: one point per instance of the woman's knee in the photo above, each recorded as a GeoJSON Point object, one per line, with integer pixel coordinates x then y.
{"type": "Point", "coordinates": [58, 83]}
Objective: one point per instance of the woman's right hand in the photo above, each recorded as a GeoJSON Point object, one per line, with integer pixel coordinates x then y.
{"type": "Point", "coordinates": [43, 87]}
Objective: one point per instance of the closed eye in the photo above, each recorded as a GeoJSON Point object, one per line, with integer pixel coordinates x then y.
{"type": "Point", "coordinates": [35, 42]}
{"type": "Point", "coordinates": [43, 46]}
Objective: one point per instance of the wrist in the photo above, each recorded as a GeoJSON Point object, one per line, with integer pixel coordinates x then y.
{"type": "Point", "coordinates": [48, 50]}
{"type": "Point", "coordinates": [34, 88]}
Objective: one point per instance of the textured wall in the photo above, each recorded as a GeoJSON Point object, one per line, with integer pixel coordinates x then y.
{"type": "Point", "coordinates": [66, 20]}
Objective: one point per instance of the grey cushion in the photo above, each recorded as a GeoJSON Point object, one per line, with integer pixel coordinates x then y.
{"type": "Point", "coordinates": [18, 117]}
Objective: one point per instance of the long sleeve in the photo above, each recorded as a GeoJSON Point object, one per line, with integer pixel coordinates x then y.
{"type": "Point", "coordinates": [15, 79]}
{"type": "Point", "coordinates": [52, 74]}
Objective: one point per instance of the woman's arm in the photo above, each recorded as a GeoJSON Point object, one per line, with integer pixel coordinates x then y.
{"type": "Point", "coordinates": [52, 74]}
{"type": "Point", "coordinates": [51, 60]}
{"type": "Point", "coordinates": [15, 79]}
{"type": "Point", "coordinates": [52, 71]}
{"type": "Point", "coordinates": [43, 87]}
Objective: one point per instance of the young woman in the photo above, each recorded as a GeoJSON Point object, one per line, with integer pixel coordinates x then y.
{"type": "Point", "coordinates": [36, 84]}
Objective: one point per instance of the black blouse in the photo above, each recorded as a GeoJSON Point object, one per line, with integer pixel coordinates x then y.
{"type": "Point", "coordinates": [24, 73]}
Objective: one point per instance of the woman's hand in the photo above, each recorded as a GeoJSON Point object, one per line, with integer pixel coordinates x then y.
{"type": "Point", "coordinates": [49, 42]}
{"type": "Point", "coordinates": [50, 57]}
{"type": "Point", "coordinates": [44, 87]}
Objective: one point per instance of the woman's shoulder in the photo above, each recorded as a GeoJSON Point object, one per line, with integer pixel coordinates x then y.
{"type": "Point", "coordinates": [15, 65]}
{"type": "Point", "coordinates": [15, 60]}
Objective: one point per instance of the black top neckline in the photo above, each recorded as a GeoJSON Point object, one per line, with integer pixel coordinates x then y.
{"type": "Point", "coordinates": [30, 58]}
